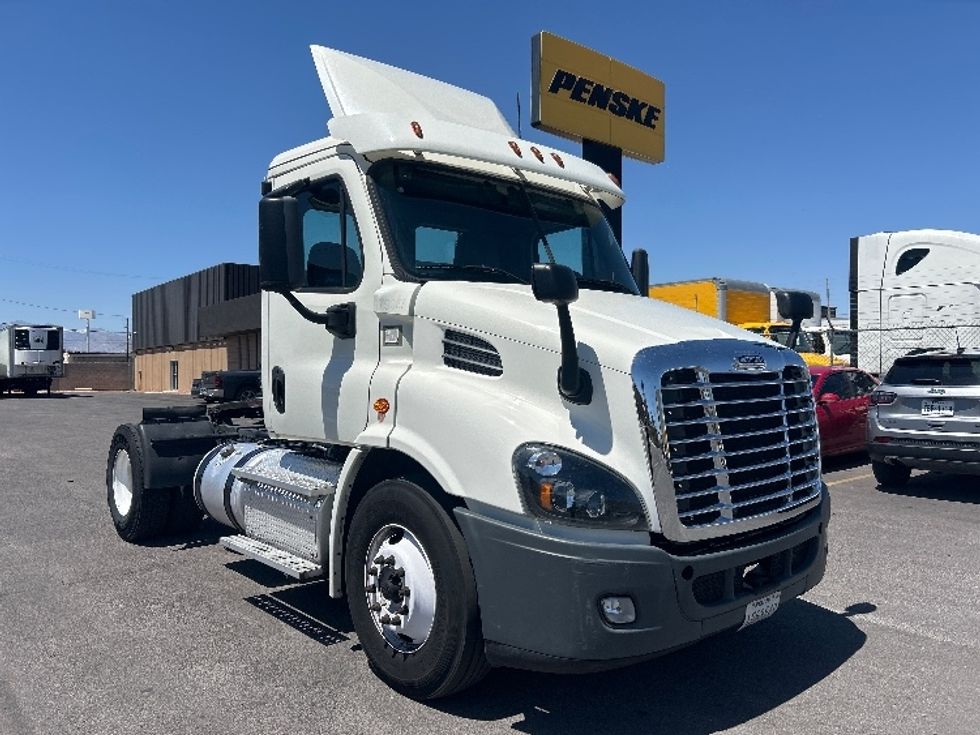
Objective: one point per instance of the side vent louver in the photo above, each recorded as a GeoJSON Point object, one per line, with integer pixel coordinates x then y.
{"type": "Point", "coordinates": [466, 352]}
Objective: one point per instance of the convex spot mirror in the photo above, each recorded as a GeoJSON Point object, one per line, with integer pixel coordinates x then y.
{"type": "Point", "coordinates": [280, 244]}
{"type": "Point", "coordinates": [794, 306]}
{"type": "Point", "coordinates": [553, 283]}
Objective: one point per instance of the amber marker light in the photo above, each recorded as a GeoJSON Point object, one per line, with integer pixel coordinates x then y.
{"type": "Point", "coordinates": [545, 497]}
{"type": "Point", "coordinates": [417, 129]}
{"type": "Point", "coordinates": [516, 148]}
{"type": "Point", "coordinates": [381, 406]}
{"type": "Point", "coordinates": [561, 163]}
{"type": "Point", "coordinates": [537, 154]}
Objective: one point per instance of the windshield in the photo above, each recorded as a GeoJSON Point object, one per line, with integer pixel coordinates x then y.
{"type": "Point", "coordinates": [780, 334]}
{"type": "Point", "coordinates": [935, 371]}
{"type": "Point", "coordinates": [455, 226]}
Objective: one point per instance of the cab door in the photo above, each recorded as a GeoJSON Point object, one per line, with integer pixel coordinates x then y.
{"type": "Point", "coordinates": [834, 413]}
{"type": "Point", "coordinates": [316, 383]}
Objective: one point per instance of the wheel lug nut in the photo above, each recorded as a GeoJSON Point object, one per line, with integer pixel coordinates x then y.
{"type": "Point", "coordinates": [386, 619]}
{"type": "Point", "coordinates": [379, 560]}
{"type": "Point", "coordinates": [404, 610]}
{"type": "Point", "coordinates": [371, 588]}
{"type": "Point", "coordinates": [390, 561]}
{"type": "Point", "coordinates": [406, 592]}
{"type": "Point", "coordinates": [375, 607]}
{"type": "Point", "coordinates": [372, 571]}
{"type": "Point", "coordinates": [395, 620]}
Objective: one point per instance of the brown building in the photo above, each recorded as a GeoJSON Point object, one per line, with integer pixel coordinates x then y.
{"type": "Point", "coordinates": [207, 320]}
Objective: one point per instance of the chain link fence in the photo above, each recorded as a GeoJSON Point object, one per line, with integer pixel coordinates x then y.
{"type": "Point", "coordinates": [877, 349]}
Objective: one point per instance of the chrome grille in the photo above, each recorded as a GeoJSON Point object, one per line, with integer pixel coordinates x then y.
{"type": "Point", "coordinates": [466, 352]}
{"type": "Point", "coordinates": [739, 444]}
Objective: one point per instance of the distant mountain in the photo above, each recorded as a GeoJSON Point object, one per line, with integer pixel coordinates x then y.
{"type": "Point", "coordinates": [101, 341]}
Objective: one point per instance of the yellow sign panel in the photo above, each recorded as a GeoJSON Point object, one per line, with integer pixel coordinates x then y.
{"type": "Point", "coordinates": [579, 93]}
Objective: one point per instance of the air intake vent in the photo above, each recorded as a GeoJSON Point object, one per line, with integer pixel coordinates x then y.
{"type": "Point", "coordinates": [466, 352]}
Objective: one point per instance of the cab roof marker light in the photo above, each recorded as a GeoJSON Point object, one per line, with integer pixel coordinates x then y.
{"type": "Point", "coordinates": [417, 129]}
{"type": "Point", "coordinates": [537, 154]}
{"type": "Point", "coordinates": [516, 148]}
{"type": "Point", "coordinates": [558, 160]}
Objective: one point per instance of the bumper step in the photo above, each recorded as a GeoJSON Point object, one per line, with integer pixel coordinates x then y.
{"type": "Point", "coordinates": [289, 564]}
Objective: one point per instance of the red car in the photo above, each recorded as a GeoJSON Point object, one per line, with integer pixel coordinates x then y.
{"type": "Point", "coordinates": [843, 395]}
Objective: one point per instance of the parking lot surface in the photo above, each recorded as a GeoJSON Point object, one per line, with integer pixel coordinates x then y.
{"type": "Point", "coordinates": [100, 636]}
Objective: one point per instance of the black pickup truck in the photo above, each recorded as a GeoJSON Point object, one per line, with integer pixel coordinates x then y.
{"type": "Point", "coordinates": [230, 385]}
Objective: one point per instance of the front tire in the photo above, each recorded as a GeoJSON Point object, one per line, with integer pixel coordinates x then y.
{"type": "Point", "coordinates": [891, 475]}
{"type": "Point", "coordinates": [426, 643]}
{"type": "Point", "coordinates": [138, 514]}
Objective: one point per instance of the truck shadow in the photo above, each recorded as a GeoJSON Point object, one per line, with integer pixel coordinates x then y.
{"type": "Point", "coordinates": [939, 486]}
{"type": "Point", "coordinates": [303, 608]}
{"type": "Point", "coordinates": [843, 462]}
{"type": "Point", "coordinates": [720, 683]}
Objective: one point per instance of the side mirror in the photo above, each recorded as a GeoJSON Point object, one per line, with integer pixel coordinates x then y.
{"type": "Point", "coordinates": [828, 398]}
{"type": "Point", "coordinates": [554, 284]}
{"type": "Point", "coordinates": [794, 305]}
{"type": "Point", "coordinates": [640, 267]}
{"type": "Point", "coordinates": [280, 245]}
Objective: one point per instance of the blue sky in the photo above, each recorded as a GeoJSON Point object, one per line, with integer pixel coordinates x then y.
{"type": "Point", "coordinates": [134, 135]}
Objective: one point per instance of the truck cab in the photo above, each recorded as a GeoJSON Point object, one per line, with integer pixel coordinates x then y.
{"type": "Point", "coordinates": [473, 416]}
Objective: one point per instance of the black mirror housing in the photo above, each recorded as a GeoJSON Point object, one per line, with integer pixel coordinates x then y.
{"type": "Point", "coordinates": [794, 306]}
{"type": "Point", "coordinates": [640, 267]}
{"type": "Point", "coordinates": [553, 283]}
{"type": "Point", "coordinates": [280, 244]}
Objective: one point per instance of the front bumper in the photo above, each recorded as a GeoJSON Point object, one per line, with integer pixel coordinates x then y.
{"type": "Point", "coordinates": [539, 595]}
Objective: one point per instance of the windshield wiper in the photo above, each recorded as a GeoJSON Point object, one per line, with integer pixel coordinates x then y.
{"type": "Point", "coordinates": [534, 215]}
{"type": "Point", "coordinates": [604, 285]}
{"type": "Point", "coordinates": [469, 266]}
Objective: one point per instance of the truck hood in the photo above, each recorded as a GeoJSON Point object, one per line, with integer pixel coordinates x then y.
{"type": "Point", "coordinates": [609, 327]}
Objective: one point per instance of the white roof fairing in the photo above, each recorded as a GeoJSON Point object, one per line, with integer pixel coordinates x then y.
{"type": "Point", "coordinates": [374, 105]}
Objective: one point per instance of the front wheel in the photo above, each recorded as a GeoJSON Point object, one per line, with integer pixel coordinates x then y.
{"type": "Point", "coordinates": [412, 594]}
{"type": "Point", "coordinates": [890, 475]}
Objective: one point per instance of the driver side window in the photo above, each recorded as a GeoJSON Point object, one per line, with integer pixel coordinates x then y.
{"type": "Point", "coordinates": [333, 256]}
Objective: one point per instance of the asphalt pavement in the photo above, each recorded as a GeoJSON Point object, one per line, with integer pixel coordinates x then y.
{"type": "Point", "coordinates": [100, 636]}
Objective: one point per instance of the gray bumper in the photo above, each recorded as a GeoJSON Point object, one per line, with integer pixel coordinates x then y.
{"type": "Point", "coordinates": [539, 595]}
{"type": "Point", "coordinates": [937, 458]}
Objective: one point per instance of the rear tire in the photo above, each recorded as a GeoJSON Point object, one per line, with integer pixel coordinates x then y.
{"type": "Point", "coordinates": [891, 475]}
{"type": "Point", "coordinates": [138, 514]}
{"type": "Point", "coordinates": [445, 654]}
{"type": "Point", "coordinates": [247, 393]}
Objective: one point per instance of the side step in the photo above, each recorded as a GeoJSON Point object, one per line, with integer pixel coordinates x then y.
{"type": "Point", "coordinates": [289, 564]}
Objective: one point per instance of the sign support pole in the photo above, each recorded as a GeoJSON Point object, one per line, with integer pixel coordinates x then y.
{"type": "Point", "coordinates": [610, 159]}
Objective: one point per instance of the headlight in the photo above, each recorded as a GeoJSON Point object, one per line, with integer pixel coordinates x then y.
{"type": "Point", "coordinates": [567, 488]}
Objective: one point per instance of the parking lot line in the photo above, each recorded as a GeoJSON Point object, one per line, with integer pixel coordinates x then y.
{"type": "Point", "coordinates": [854, 478]}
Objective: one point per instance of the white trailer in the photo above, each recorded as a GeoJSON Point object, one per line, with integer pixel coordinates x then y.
{"type": "Point", "coordinates": [30, 357]}
{"type": "Point", "coordinates": [916, 289]}
{"type": "Point", "coordinates": [477, 429]}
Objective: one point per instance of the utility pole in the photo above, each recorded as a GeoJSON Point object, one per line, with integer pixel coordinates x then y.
{"type": "Point", "coordinates": [127, 339]}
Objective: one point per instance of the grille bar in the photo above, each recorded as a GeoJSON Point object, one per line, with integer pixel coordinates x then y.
{"type": "Point", "coordinates": [747, 464]}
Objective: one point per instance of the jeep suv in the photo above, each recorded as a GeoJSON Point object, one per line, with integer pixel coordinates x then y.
{"type": "Point", "coordinates": [926, 415]}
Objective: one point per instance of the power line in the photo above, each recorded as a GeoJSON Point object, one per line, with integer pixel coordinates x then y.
{"type": "Point", "coordinates": [57, 308]}
{"type": "Point", "coordinates": [71, 269]}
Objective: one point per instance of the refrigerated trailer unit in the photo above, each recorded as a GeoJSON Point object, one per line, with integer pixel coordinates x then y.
{"type": "Point", "coordinates": [916, 289]}
{"type": "Point", "coordinates": [476, 428]}
{"type": "Point", "coordinates": [31, 357]}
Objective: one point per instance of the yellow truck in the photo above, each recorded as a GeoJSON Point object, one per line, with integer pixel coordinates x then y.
{"type": "Point", "coordinates": [745, 303]}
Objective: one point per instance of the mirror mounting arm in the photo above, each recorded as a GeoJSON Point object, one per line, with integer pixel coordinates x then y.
{"type": "Point", "coordinates": [338, 319]}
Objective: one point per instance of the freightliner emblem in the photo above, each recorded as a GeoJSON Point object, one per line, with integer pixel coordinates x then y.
{"type": "Point", "coordinates": [749, 363]}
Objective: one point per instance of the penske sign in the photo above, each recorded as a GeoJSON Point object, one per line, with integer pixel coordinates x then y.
{"type": "Point", "coordinates": [579, 93]}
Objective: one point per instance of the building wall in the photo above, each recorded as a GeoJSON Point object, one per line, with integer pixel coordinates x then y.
{"type": "Point", "coordinates": [152, 367]}
{"type": "Point", "coordinates": [243, 351]}
{"type": "Point", "coordinates": [97, 372]}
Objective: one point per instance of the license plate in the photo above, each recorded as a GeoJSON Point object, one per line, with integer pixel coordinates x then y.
{"type": "Point", "coordinates": [937, 408]}
{"type": "Point", "coordinates": [760, 609]}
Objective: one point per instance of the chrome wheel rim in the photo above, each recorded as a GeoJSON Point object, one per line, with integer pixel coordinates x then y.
{"type": "Point", "coordinates": [122, 483]}
{"type": "Point", "coordinates": [400, 588]}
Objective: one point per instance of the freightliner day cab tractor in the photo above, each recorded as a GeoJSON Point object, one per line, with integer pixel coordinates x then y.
{"type": "Point", "coordinates": [476, 429]}
{"type": "Point", "coordinates": [31, 357]}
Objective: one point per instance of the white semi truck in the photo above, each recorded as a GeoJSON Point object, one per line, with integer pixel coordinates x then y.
{"type": "Point", "coordinates": [476, 429]}
{"type": "Point", "coordinates": [913, 290]}
{"type": "Point", "coordinates": [31, 357]}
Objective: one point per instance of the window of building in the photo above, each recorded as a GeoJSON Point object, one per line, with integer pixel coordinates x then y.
{"type": "Point", "coordinates": [173, 375]}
